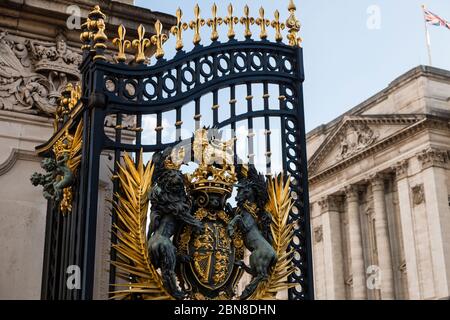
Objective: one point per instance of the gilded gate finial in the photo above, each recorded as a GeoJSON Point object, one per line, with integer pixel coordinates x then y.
{"type": "Point", "coordinates": [196, 24]}
{"type": "Point", "coordinates": [278, 26]}
{"type": "Point", "coordinates": [247, 21]}
{"type": "Point", "coordinates": [214, 22]}
{"type": "Point", "coordinates": [140, 44]}
{"type": "Point", "coordinates": [98, 33]}
{"type": "Point", "coordinates": [121, 43]}
{"type": "Point", "coordinates": [158, 39]}
{"type": "Point", "coordinates": [93, 34]}
{"type": "Point", "coordinates": [293, 24]}
{"type": "Point", "coordinates": [85, 36]}
{"type": "Point", "coordinates": [230, 20]}
{"type": "Point", "coordinates": [263, 23]}
{"type": "Point", "coordinates": [177, 30]}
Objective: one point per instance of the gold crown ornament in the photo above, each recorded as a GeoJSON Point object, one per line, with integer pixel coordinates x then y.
{"type": "Point", "coordinates": [215, 172]}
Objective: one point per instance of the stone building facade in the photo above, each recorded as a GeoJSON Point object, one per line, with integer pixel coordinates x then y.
{"type": "Point", "coordinates": [379, 192]}
{"type": "Point", "coordinates": [39, 55]}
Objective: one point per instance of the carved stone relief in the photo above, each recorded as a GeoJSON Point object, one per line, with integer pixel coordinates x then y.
{"type": "Point", "coordinates": [418, 194]}
{"type": "Point", "coordinates": [33, 73]}
{"type": "Point", "coordinates": [433, 157]}
{"type": "Point", "coordinates": [354, 139]}
{"type": "Point", "coordinates": [318, 234]}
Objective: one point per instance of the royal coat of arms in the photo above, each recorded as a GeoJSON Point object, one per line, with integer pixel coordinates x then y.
{"type": "Point", "coordinates": [197, 243]}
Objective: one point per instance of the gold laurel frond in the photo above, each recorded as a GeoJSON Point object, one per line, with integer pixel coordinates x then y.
{"type": "Point", "coordinates": [279, 206]}
{"type": "Point", "coordinates": [133, 261]}
{"type": "Point", "coordinates": [75, 150]}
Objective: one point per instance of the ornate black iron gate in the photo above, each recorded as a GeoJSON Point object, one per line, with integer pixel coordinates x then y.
{"type": "Point", "coordinates": [124, 95]}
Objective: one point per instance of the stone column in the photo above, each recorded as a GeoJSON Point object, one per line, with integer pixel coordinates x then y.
{"type": "Point", "coordinates": [332, 247]}
{"type": "Point", "coordinates": [434, 193]}
{"type": "Point", "coordinates": [407, 230]}
{"type": "Point", "coordinates": [382, 237]}
{"type": "Point", "coordinates": [356, 278]}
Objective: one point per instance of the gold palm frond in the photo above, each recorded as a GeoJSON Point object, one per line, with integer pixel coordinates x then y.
{"type": "Point", "coordinates": [75, 149]}
{"type": "Point", "coordinates": [133, 261]}
{"type": "Point", "coordinates": [279, 206]}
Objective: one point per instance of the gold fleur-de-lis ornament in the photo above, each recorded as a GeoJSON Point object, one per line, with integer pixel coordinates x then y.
{"type": "Point", "coordinates": [121, 43]}
{"type": "Point", "coordinates": [141, 43]}
{"type": "Point", "coordinates": [278, 26]}
{"type": "Point", "coordinates": [196, 25]}
{"type": "Point", "coordinates": [293, 24]}
{"type": "Point", "coordinates": [158, 39]}
{"type": "Point", "coordinates": [214, 23]}
{"type": "Point", "coordinates": [230, 20]}
{"type": "Point", "coordinates": [247, 21]}
{"type": "Point", "coordinates": [262, 22]}
{"type": "Point", "coordinates": [177, 30]}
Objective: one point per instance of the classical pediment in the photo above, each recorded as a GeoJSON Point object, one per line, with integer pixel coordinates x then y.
{"type": "Point", "coordinates": [354, 135]}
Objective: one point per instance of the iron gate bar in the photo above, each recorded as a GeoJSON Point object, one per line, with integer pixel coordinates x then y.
{"type": "Point", "coordinates": [103, 102]}
{"type": "Point", "coordinates": [123, 90]}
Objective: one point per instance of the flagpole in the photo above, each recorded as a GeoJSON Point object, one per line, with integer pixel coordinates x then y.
{"type": "Point", "coordinates": [427, 38]}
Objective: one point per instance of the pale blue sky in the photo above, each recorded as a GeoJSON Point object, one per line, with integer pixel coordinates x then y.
{"type": "Point", "coordinates": [345, 61]}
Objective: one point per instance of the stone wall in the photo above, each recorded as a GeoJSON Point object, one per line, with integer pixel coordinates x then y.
{"type": "Point", "coordinates": [38, 56]}
{"type": "Point", "coordinates": [379, 191]}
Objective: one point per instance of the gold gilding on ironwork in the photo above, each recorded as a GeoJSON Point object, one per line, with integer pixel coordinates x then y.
{"type": "Point", "coordinates": [158, 39]}
{"type": "Point", "coordinates": [132, 245]}
{"type": "Point", "coordinates": [278, 26]}
{"type": "Point", "coordinates": [279, 206]}
{"type": "Point", "coordinates": [214, 22]}
{"type": "Point", "coordinates": [85, 36]}
{"type": "Point", "coordinates": [262, 22]}
{"type": "Point", "coordinates": [121, 43]}
{"type": "Point", "coordinates": [177, 30]}
{"type": "Point", "coordinates": [207, 177]}
{"type": "Point", "coordinates": [247, 21]}
{"type": "Point", "coordinates": [98, 33]}
{"type": "Point", "coordinates": [141, 43]}
{"type": "Point", "coordinates": [67, 102]}
{"type": "Point", "coordinates": [196, 25]}
{"type": "Point", "coordinates": [93, 34]}
{"type": "Point", "coordinates": [231, 20]}
{"type": "Point", "coordinates": [293, 24]}
{"type": "Point", "coordinates": [68, 149]}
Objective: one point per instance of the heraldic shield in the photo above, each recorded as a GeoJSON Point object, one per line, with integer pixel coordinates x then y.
{"type": "Point", "coordinates": [211, 203]}
{"type": "Point", "coordinates": [197, 240]}
{"type": "Point", "coordinates": [211, 272]}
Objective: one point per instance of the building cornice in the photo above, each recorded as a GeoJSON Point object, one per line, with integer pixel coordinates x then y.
{"type": "Point", "coordinates": [331, 140]}
{"type": "Point", "coordinates": [428, 122]}
{"type": "Point", "coordinates": [403, 80]}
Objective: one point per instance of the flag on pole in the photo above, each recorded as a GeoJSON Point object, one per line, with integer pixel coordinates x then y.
{"type": "Point", "coordinates": [434, 19]}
